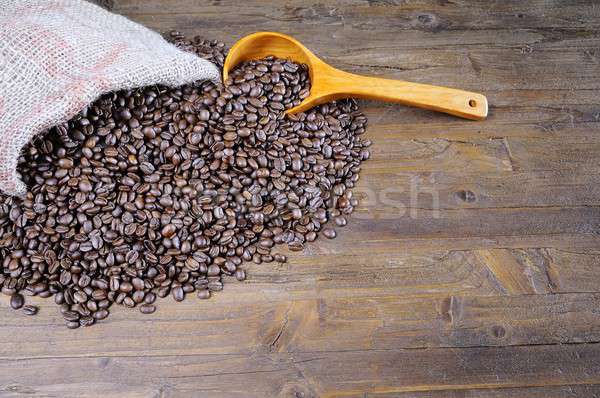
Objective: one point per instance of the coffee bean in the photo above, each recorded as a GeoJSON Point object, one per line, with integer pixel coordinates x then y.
{"type": "Point", "coordinates": [59, 298]}
{"type": "Point", "coordinates": [128, 302]}
{"type": "Point", "coordinates": [295, 246]}
{"type": "Point", "coordinates": [87, 321]}
{"type": "Point", "coordinates": [150, 298]}
{"type": "Point", "coordinates": [132, 256]}
{"type": "Point", "coordinates": [280, 258]}
{"type": "Point", "coordinates": [71, 315]}
{"type": "Point", "coordinates": [17, 301]}
{"type": "Point", "coordinates": [329, 233]}
{"type": "Point", "coordinates": [214, 270]}
{"type": "Point", "coordinates": [137, 283]}
{"type": "Point", "coordinates": [72, 324]}
{"type": "Point", "coordinates": [85, 186]}
{"type": "Point", "coordinates": [126, 287]}
{"type": "Point", "coordinates": [100, 314]}
{"type": "Point", "coordinates": [169, 230]}
{"type": "Point", "coordinates": [215, 286]}
{"type": "Point", "coordinates": [240, 275]}
{"type": "Point", "coordinates": [30, 310]}
{"type": "Point", "coordinates": [123, 114]}
{"type": "Point", "coordinates": [65, 163]}
{"type": "Point", "coordinates": [80, 296]}
{"type": "Point", "coordinates": [178, 293]}
{"type": "Point", "coordinates": [204, 115]}
{"type": "Point", "coordinates": [340, 221]}
{"type": "Point", "coordinates": [277, 67]}
{"type": "Point", "coordinates": [147, 309]}
{"type": "Point", "coordinates": [138, 296]}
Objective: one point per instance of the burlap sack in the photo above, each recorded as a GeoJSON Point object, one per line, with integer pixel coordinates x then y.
{"type": "Point", "coordinates": [58, 56]}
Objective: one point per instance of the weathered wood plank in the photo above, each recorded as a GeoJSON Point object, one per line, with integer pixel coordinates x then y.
{"type": "Point", "coordinates": [333, 374]}
{"type": "Point", "coordinates": [333, 271]}
{"type": "Point", "coordinates": [427, 286]}
{"type": "Point", "coordinates": [493, 224]}
{"type": "Point", "coordinates": [455, 190]}
{"type": "Point", "coordinates": [253, 323]}
{"type": "Point", "coordinates": [383, 15]}
{"type": "Point", "coordinates": [486, 156]}
{"type": "Point", "coordinates": [346, 374]}
{"type": "Point", "coordinates": [591, 391]}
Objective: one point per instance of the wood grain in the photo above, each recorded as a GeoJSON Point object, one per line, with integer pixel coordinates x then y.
{"type": "Point", "coordinates": [470, 269]}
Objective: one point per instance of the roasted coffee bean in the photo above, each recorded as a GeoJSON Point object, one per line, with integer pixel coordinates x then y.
{"type": "Point", "coordinates": [128, 302]}
{"type": "Point", "coordinates": [87, 321]}
{"type": "Point", "coordinates": [100, 314]}
{"type": "Point", "coordinates": [340, 221]}
{"type": "Point", "coordinates": [71, 315]}
{"type": "Point", "coordinates": [59, 298]}
{"type": "Point", "coordinates": [329, 233]}
{"type": "Point", "coordinates": [137, 283]}
{"type": "Point", "coordinates": [214, 270]}
{"type": "Point", "coordinates": [150, 298]}
{"type": "Point", "coordinates": [280, 258]}
{"type": "Point", "coordinates": [73, 324]}
{"type": "Point", "coordinates": [17, 301]}
{"type": "Point", "coordinates": [204, 115]}
{"type": "Point", "coordinates": [295, 246]}
{"type": "Point", "coordinates": [30, 310]}
{"type": "Point", "coordinates": [215, 286]}
{"type": "Point", "coordinates": [138, 296]}
{"type": "Point", "coordinates": [65, 163]}
{"type": "Point", "coordinates": [311, 236]}
{"type": "Point", "coordinates": [240, 275]}
{"type": "Point", "coordinates": [147, 309]}
{"type": "Point", "coordinates": [158, 190]}
{"type": "Point", "coordinates": [85, 186]}
{"type": "Point", "coordinates": [169, 230]}
{"type": "Point", "coordinates": [178, 293]}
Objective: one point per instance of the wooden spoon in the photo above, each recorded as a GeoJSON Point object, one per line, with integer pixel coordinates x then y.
{"type": "Point", "coordinates": [329, 83]}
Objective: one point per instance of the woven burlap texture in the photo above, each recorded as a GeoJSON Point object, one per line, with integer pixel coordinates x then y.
{"type": "Point", "coordinates": [58, 56]}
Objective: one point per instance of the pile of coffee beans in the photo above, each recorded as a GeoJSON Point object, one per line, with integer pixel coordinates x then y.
{"type": "Point", "coordinates": [162, 191]}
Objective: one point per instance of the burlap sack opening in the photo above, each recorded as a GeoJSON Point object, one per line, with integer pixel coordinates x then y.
{"type": "Point", "coordinates": [58, 56]}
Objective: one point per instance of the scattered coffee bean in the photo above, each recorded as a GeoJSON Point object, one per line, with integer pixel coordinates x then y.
{"type": "Point", "coordinates": [87, 321]}
{"type": "Point", "coordinates": [280, 258]}
{"type": "Point", "coordinates": [240, 275]}
{"type": "Point", "coordinates": [73, 324]}
{"type": "Point", "coordinates": [147, 309]}
{"type": "Point", "coordinates": [329, 233]}
{"type": "Point", "coordinates": [100, 314]}
{"type": "Point", "coordinates": [341, 221]}
{"type": "Point", "coordinates": [157, 191]}
{"type": "Point", "coordinates": [17, 301]}
{"type": "Point", "coordinates": [30, 310]}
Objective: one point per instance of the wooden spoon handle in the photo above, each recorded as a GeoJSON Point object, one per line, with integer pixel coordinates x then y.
{"type": "Point", "coordinates": [461, 103]}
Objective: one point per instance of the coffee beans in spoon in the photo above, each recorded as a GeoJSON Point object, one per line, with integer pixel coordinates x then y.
{"type": "Point", "coordinates": [162, 191]}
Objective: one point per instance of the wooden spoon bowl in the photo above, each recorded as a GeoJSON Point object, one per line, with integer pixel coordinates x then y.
{"type": "Point", "coordinates": [329, 83]}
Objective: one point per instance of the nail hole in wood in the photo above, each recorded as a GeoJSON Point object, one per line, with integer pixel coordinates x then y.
{"type": "Point", "coordinates": [472, 103]}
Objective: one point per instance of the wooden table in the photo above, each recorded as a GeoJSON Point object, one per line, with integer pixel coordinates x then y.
{"type": "Point", "coordinates": [471, 269]}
